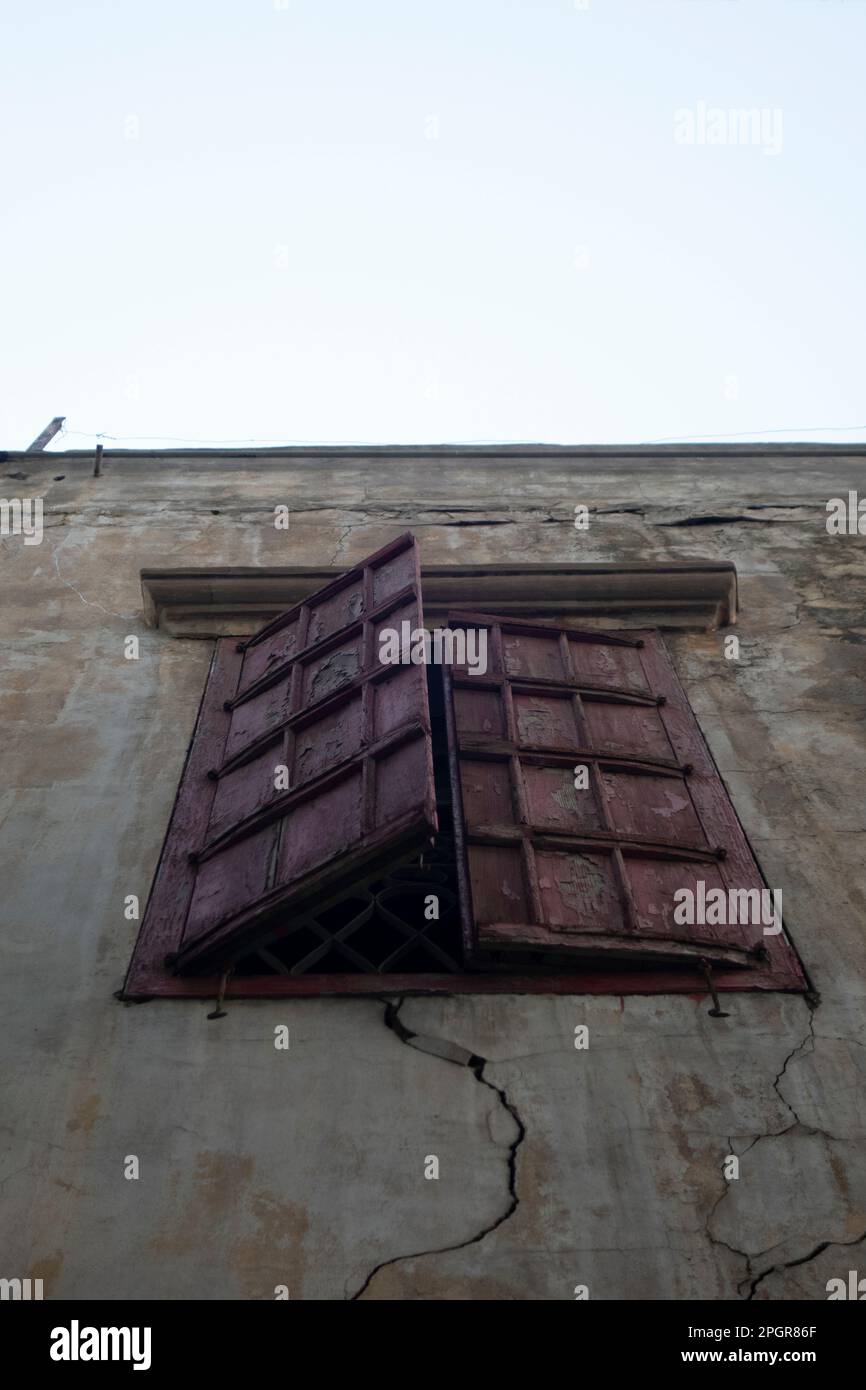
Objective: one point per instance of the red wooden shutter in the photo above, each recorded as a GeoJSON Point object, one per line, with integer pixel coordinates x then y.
{"type": "Point", "coordinates": [354, 736]}
{"type": "Point", "coordinates": [551, 869]}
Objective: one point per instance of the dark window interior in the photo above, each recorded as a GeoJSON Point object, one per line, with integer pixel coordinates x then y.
{"type": "Point", "coordinates": [380, 927]}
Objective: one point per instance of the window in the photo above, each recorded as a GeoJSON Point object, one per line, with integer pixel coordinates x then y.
{"type": "Point", "coordinates": [345, 825]}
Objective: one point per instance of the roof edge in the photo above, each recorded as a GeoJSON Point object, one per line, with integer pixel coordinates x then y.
{"type": "Point", "coordinates": [745, 449]}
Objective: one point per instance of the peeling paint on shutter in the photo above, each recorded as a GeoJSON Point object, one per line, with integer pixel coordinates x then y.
{"type": "Point", "coordinates": [354, 737]}
{"type": "Point", "coordinates": [561, 872]}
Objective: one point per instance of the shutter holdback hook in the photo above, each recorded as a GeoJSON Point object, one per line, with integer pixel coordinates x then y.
{"type": "Point", "coordinates": [715, 1011]}
{"type": "Point", "coordinates": [219, 1011]}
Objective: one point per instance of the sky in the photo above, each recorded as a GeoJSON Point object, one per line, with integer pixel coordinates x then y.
{"type": "Point", "coordinates": [325, 221]}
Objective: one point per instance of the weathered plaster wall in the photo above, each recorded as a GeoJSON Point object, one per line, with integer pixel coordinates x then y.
{"type": "Point", "coordinates": [305, 1167]}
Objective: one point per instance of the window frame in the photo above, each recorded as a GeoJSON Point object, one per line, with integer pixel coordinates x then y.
{"type": "Point", "coordinates": [149, 977]}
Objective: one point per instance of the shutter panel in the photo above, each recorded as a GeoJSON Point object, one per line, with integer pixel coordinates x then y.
{"type": "Point", "coordinates": [548, 868]}
{"type": "Point", "coordinates": [354, 736]}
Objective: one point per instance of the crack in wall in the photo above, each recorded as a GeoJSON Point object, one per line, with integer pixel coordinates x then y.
{"type": "Point", "coordinates": [91, 603]}
{"type": "Point", "coordinates": [424, 515]}
{"type": "Point", "coordinates": [803, 1259]}
{"type": "Point", "coordinates": [344, 535]}
{"type": "Point", "coordinates": [720, 519]}
{"type": "Point", "coordinates": [751, 1280]}
{"type": "Point", "coordinates": [809, 1038]}
{"type": "Point", "coordinates": [717, 1240]}
{"type": "Point", "coordinates": [459, 1056]}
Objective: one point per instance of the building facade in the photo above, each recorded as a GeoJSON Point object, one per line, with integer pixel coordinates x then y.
{"type": "Point", "coordinates": [547, 1136]}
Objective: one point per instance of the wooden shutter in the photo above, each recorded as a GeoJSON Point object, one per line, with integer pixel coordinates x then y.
{"type": "Point", "coordinates": [354, 736]}
{"type": "Point", "coordinates": [551, 869]}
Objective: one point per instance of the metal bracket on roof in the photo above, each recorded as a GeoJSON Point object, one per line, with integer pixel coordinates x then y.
{"type": "Point", "coordinates": [46, 436]}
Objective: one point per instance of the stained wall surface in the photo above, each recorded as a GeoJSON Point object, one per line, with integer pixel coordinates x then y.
{"type": "Point", "coordinates": [305, 1167]}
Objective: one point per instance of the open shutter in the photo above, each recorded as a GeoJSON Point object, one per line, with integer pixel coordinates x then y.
{"type": "Point", "coordinates": [553, 869]}
{"type": "Point", "coordinates": [354, 738]}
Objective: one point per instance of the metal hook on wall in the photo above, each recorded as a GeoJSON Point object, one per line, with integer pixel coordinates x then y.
{"type": "Point", "coordinates": [715, 1011]}
{"type": "Point", "coordinates": [219, 1011]}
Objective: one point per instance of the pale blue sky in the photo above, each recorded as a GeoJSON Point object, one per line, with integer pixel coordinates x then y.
{"type": "Point", "coordinates": [406, 222]}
